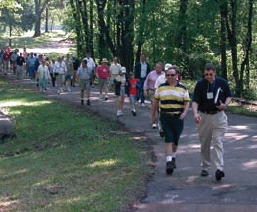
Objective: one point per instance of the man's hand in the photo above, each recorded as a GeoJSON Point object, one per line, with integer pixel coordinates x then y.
{"type": "Point", "coordinates": [222, 106]}
{"type": "Point", "coordinates": [197, 118]}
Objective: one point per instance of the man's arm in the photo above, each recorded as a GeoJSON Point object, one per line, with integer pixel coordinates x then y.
{"type": "Point", "coordinates": [197, 116]}
{"type": "Point", "coordinates": [155, 106]}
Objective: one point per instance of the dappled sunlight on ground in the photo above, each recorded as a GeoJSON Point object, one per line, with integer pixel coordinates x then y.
{"type": "Point", "coordinates": [103, 163]}
{"type": "Point", "coordinates": [240, 127]}
{"type": "Point", "coordinates": [20, 103]}
{"type": "Point", "coordinates": [250, 165]}
{"type": "Point", "coordinates": [236, 136]}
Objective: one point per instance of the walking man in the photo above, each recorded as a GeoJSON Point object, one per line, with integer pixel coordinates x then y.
{"type": "Point", "coordinates": [173, 100]}
{"type": "Point", "coordinates": [211, 97]}
{"type": "Point", "coordinates": [84, 75]}
{"type": "Point", "coordinates": [142, 69]}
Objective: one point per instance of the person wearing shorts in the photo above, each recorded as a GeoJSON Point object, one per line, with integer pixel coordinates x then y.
{"type": "Point", "coordinates": [121, 89]}
{"type": "Point", "coordinates": [103, 73]}
{"type": "Point", "coordinates": [173, 100]}
{"type": "Point", "coordinates": [84, 75]}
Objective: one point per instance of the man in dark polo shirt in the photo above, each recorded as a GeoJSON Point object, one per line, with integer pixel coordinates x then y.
{"type": "Point", "coordinates": [211, 97]}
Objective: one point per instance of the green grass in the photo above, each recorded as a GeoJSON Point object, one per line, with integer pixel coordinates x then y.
{"type": "Point", "coordinates": [63, 159]}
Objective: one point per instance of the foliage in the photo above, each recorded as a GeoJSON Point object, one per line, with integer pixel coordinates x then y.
{"type": "Point", "coordinates": [249, 94]}
{"type": "Point", "coordinates": [18, 17]}
{"type": "Point", "coordinates": [179, 32]}
{"type": "Point", "coordinates": [64, 159]}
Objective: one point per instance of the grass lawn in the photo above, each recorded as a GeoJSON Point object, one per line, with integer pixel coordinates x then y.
{"type": "Point", "coordinates": [63, 159]}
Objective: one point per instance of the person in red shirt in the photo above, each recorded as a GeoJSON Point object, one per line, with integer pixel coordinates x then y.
{"type": "Point", "coordinates": [133, 82]}
{"type": "Point", "coordinates": [6, 61]}
{"type": "Point", "coordinates": [103, 73]}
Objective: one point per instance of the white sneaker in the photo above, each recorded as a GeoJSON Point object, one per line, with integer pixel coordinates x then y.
{"type": "Point", "coordinates": [142, 104]}
{"type": "Point", "coordinates": [58, 92]}
{"type": "Point", "coordinates": [69, 89]}
{"type": "Point", "coordinates": [119, 113]}
{"type": "Point", "coordinates": [154, 125]}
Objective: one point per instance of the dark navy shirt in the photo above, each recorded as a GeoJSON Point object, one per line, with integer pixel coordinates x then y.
{"type": "Point", "coordinates": [203, 87]}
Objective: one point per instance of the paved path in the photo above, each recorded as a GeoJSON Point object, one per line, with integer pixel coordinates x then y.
{"type": "Point", "coordinates": [185, 190]}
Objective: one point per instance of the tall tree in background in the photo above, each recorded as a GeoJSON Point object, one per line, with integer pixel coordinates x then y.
{"type": "Point", "coordinates": [39, 8]}
{"type": "Point", "coordinates": [141, 29]}
{"type": "Point", "coordinates": [236, 32]}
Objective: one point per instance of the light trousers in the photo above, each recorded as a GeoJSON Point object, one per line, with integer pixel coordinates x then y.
{"type": "Point", "coordinates": [212, 129]}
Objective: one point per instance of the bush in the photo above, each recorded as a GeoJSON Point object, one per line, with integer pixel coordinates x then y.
{"type": "Point", "coordinates": [249, 94]}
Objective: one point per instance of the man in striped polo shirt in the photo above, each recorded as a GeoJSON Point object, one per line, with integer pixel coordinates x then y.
{"type": "Point", "coordinates": [173, 99]}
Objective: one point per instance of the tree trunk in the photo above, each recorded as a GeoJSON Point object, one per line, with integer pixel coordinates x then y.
{"type": "Point", "coordinates": [37, 32]}
{"type": "Point", "coordinates": [223, 39]}
{"type": "Point", "coordinates": [39, 8]}
{"type": "Point", "coordinates": [77, 21]}
{"type": "Point", "coordinates": [248, 43]}
{"type": "Point", "coordinates": [140, 41]}
{"type": "Point", "coordinates": [101, 30]}
{"type": "Point", "coordinates": [127, 36]}
{"type": "Point", "coordinates": [47, 20]}
{"type": "Point", "coordinates": [91, 31]}
{"type": "Point", "coordinates": [232, 38]}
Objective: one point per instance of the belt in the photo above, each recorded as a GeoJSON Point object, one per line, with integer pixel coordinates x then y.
{"type": "Point", "coordinates": [211, 112]}
{"type": "Point", "coordinates": [170, 114]}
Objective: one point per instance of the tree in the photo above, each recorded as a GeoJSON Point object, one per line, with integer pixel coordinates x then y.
{"type": "Point", "coordinates": [39, 8]}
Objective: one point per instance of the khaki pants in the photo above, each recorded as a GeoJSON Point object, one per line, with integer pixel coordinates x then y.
{"type": "Point", "coordinates": [212, 129]}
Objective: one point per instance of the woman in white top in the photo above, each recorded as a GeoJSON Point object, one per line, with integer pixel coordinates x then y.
{"type": "Point", "coordinates": [43, 76]}
{"type": "Point", "coordinates": [115, 69]}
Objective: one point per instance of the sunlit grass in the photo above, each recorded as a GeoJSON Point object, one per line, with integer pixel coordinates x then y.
{"type": "Point", "coordinates": [65, 159]}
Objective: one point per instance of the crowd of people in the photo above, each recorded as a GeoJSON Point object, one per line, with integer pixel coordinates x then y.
{"type": "Point", "coordinates": [162, 87]}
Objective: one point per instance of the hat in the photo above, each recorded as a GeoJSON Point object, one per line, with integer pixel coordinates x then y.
{"type": "Point", "coordinates": [168, 66]}
{"type": "Point", "coordinates": [104, 60]}
{"type": "Point", "coordinates": [123, 70]}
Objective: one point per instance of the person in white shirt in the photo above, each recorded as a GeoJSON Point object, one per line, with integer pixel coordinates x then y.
{"type": "Point", "coordinates": [60, 70]}
{"type": "Point", "coordinates": [84, 74]}
{"type": "Point", "coordinates": [115, 69]}
{"type": "Point", "coordinates": [90, 64]}
{"type": "Point", "coordinates": [43, 76]}
{"type": "Point", "coordinates": [149, 84]}
{"type": "Point", "coordinates": [162, 79]}
{"type": "Point", "coordinates": [68, 77]}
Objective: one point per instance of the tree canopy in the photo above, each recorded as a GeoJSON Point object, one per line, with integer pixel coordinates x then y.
{"type": "Point", "coordinates": [185, 33]}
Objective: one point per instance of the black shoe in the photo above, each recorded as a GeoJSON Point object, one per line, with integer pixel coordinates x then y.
{"type": "Point", "coordinates": [133, 112]}
{"type": "Point", "coordinates": [174, 162]}
{"type": "Point", "coordinates": [88, 102]}
{"type": "Point", "coordinates": [219, 174]}
{"type": "Point", "coordinates": [161, 133]}
{"type": "Point", "coordinates": [82, 101]}
{"type": "Point", "coordinates": [106, 98]}
{"type": "Point", "coordinates": [169, 167]}
{"type": "Point", "coordinates": [204, 173]}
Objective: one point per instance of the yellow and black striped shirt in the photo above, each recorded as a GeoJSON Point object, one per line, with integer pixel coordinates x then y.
{"type": "Point", "coordinates": [172, 98]}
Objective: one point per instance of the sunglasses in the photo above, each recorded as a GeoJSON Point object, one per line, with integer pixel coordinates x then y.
{"type": "Point", "coordinates": [170, 75]}
{"type": "Point", "coordinates": [210, 74]}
